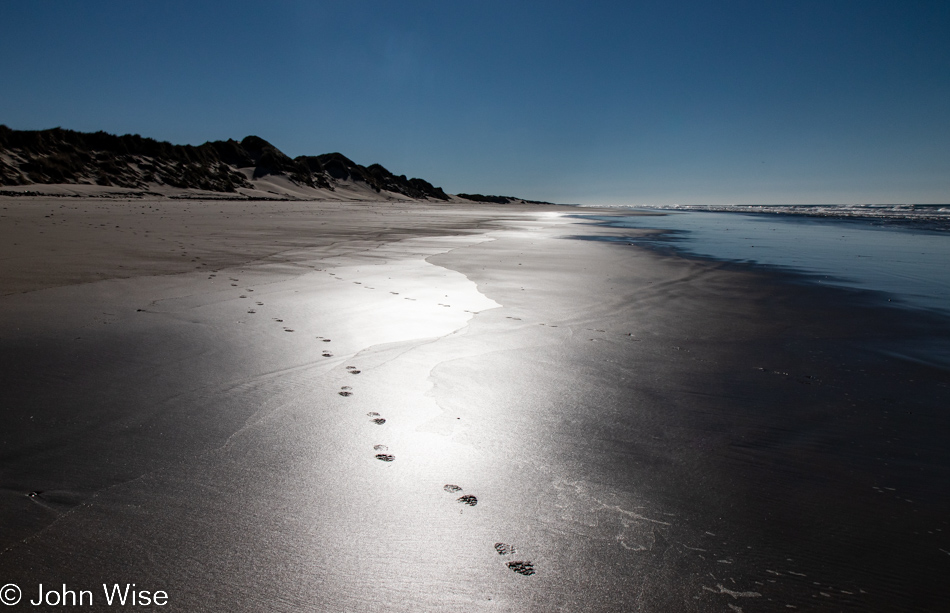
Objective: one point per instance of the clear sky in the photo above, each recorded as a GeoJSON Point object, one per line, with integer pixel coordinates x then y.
{"type": "Point", "coordinates": [582, 102]}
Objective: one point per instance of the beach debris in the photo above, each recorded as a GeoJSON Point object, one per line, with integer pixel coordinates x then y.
{"type": "Point", "coordinates": [735, 594]}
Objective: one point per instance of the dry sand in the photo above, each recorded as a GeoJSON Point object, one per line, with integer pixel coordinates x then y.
{"type": "Point", "coordinates": [636, 432]}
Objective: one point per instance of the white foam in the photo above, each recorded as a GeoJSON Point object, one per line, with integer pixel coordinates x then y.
{"type": "Point", "coordinates": [919, 212]}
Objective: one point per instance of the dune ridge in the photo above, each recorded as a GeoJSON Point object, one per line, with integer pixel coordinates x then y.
{"type": "Point", "coordinates": [65, 162]}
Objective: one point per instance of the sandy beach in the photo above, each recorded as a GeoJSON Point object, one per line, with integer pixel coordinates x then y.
{"type": "Point", "coordinates": [398, 406]}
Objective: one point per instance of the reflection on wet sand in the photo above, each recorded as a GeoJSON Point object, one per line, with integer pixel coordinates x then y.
{"type": "Point", "coordinates": [537, 424]}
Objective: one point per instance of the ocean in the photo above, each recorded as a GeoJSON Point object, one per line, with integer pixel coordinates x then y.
{"type": "Point", "coordinates": [901, 252]}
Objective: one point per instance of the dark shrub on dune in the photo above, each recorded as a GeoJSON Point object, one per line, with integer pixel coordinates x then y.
{"type": "Point", "coordinates": [498, 199]}
{"type": "Point", "coordinates": [336, 165]}
{"type": "Point", "coordinates": [231, 152]}
{"type": "Point", "coordinates": [481, 198]}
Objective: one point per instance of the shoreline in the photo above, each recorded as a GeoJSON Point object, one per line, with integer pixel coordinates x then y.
{"type": "Point", "coordinates": [899, 267]}
{"type": "Point", "coordinates": [626, 420]}
{"type": "Point", "coordinates": [801, 394]}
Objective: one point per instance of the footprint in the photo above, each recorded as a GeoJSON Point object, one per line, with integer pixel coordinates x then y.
{"type": "Point", "coordinates": [326, 340]}
{"type": "Point", "coordinates": [345, 393]}
{"type": "Point", "coordinates": [385, 457]}
{"type": "Point", "coordinates": [242, 296]}
{"type": "Point", "coordinates": [468, 499]}
{"type": "Point", "coordinates": [394, 293]}
{"type": "Point", "coordinates": [279, 320]}
{"type": "Point", "coordinates": [372, 414]}
{"type": "Point", "coordinates": [327, 354]}
{"type": "Point", "coordinates": [380, 448]}
{"type": "Point", "coordinates": [251, 311]}
{"type": "Point", "coordinates": [378, 421]}
{"type": "Point", "coordinates": [288, 330]}
{"type": "Point", "coordinates": [259, 303]}
{"type": "Point", "coordinates": [505, 549]}
{"type": "Point", "coordinates": [452, 489]}
{"type": "Point", "coordinates": [522, 568]}
{"type": "Point", "coordinates": [355, 372]}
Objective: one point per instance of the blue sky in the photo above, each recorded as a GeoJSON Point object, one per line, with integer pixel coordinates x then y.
{"type": "Point", "coordinates": [592, 102]}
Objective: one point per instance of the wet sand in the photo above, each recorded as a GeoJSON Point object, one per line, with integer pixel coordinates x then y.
{"type": "Point", "coordinates": [442, 408]}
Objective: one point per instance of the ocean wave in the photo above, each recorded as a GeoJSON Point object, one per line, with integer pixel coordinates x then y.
{"type": "Point", "coordinates": [896, 212]}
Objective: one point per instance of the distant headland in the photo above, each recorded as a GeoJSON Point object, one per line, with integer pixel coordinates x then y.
{"type": "Point", "coordinates": [99, 163]}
